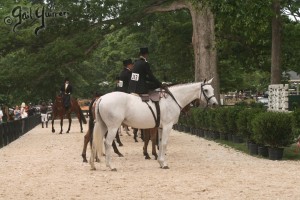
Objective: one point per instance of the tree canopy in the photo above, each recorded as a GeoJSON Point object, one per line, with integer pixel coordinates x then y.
{"type": "Point", "coordinates": [90, 41]}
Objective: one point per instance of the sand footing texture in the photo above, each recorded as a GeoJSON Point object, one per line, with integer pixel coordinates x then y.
{"type": "Point", "coordinates": [45, 165]}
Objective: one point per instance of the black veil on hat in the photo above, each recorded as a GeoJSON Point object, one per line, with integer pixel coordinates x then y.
{"type": "Point", "coordinates": [144, 50]}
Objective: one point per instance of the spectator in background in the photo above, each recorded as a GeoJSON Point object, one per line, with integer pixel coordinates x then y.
{"type": "Point", "coordinates": [1, 115]}
{"type": "Point", "coordinates": [17, 113]}
{"type": "Point", "coordinates": [44, 114]}
{"type": "Point", "coordinates": [23, 111]}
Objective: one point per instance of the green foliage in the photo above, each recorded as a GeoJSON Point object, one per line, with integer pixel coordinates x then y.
{"type": "Point", "coordinates": [199, 117]}
{"type": "Point", "coordinates": [273, 128]}
{"type": "Point", "coordinates": [296, 123]}
{"type": "Point", "coordinates": [231, 119]}
{"type": "Point", "coordinates": [89, 45]}
{"type": "Point", "coordinates": [220, 121]}
{"type": "Point", "coordinates": [244, 122]}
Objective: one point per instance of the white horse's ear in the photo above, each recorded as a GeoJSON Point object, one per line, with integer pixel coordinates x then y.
{"type": "Point", "coordinates": [209, 82]}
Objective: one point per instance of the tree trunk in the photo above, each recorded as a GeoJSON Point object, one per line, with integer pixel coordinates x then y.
{"type": "Point", "coordinates": [276, 44]}
{"type": "Point", "coordinates": [205, 53]}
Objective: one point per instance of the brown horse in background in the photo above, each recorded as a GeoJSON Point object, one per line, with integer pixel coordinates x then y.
{"type": "Point", "coordinates": [89, 134]}
{"type": "Point", "coordinates": [150, 134]}
{"type": "Point", "coordinates": [59, 111]}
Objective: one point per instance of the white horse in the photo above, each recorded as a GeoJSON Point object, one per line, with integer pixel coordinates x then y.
{"type": "Point", "coordinates": [116, 108]}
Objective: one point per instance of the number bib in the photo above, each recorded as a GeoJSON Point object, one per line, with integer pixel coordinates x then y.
{"type": "Point", "coordinates": [135, 77]}
{"type": "Point", "coordinates": [120, 84]}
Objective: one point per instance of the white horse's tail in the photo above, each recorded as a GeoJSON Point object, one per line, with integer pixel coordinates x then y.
{"type": "Point", "coordinates": [98, 134]}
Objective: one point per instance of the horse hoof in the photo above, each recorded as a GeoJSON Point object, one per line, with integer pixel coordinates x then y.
{"type": "Point", "coordinates": [136, 141]}
{"type": "Point", "coordinates": [93, 168]}
{"type": "Point", "coordinates": [85, 161]}
{"type": "Point", "coordinates": [120, 144]}
{"type": "Point", "coordinates": [120, 155]}
{"type": "Point", "coordinates": [60, 133]}
{"type": "Point", "coordinates": [165, 167]}
{"type": "Point", "coordinates": [114, 170]}
{"type": "Point", "coordinates": [53, 131]}
{"type": "Point", "coordinates": [147, 158]}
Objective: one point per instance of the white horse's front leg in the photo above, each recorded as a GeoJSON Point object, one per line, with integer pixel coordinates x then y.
{"type": "Point", "coordinates": [163, 140]}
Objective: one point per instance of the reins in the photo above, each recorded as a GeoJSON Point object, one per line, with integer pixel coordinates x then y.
{"type": "Point", "coordinates": [170, 93]}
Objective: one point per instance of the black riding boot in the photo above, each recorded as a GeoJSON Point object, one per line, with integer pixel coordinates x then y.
{"type": "Point", "coordinates": [42, 124]}
{"type": "Point", "coordinates": [46, 124]}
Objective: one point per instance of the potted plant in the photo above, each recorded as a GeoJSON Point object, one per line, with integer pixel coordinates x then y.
{"type": "Point", "coordinates": [214, 133]}
{"type": "Point", "coordinates": [245, 129]}
{"type": "Point", "coordinates": [231, 119]}
{"type": "Point", "coordinates": [275, 130]}
{"type": "Point", "coordinates": [220, 122]}
{"type": "Point", "coordinates": [296, 123]}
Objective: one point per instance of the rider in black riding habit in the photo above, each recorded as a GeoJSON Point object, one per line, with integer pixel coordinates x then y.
{"type": "Point", "coordinates": [142, 78]}
{"type": "Point", "coordinates": [125, 76]}
{"type": "Point", "coordinates": [66, 91]}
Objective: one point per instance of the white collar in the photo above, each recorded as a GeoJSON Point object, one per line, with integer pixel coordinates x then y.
{"type": "Point", "coordinates": [143, 58]}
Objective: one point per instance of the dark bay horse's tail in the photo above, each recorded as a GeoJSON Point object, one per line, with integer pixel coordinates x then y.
{"type": "Point", "coordinates": [76, 108]}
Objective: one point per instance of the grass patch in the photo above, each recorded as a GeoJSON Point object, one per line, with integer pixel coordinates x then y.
{"type": "Point", "coordinates": [288, 153]}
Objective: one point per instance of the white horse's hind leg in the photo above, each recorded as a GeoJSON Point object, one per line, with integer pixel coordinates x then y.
{"type": "Point", "coordinates": [163, 140]}
{"type": "Point", "coordinates": [108, 144]}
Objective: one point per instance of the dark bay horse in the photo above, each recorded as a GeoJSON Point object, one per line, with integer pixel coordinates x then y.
{"type": "Point", "coordinates": [88, 136]}
{"type": "Point", "coordinates": [59, 111]}
{"type": "Point", "coordinates": [150, 134]}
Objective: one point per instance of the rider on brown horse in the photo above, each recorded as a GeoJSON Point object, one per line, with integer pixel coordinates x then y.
{"type": "Point", "coordinates": [66, 91]}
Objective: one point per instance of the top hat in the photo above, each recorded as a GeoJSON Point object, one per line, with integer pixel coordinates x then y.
{"type": "Point", "coordinates": [66, 79]}
{"type": "Point", "coordinates": [144, 50]}
{"type": "Point", "coordinates": [127, 62]}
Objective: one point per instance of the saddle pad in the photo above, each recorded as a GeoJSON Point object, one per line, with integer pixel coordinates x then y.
{"type": "Point", "coordinates": [154, 96]}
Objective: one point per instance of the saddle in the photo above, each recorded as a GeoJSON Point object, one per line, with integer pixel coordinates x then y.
{"type": "Point", "coordinates": [154, 96]}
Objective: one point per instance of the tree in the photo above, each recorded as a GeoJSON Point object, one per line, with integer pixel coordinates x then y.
{"type": "Point", "coordinates": [276, 43]}
{"type": "Point", "coordinates": [205, 55]}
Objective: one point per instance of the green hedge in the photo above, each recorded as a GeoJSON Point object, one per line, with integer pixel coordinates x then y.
{"type": "Point", "coordinates": [253, 123]}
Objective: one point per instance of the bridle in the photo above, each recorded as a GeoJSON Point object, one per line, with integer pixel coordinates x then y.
{"type": "Point", "coordinates": [202, 91]}
{"type": "Point", "coordinates": [205, 96]}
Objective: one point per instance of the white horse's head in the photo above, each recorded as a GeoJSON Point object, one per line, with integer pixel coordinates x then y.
{"type": "Point", "coordinates": [207, 92]}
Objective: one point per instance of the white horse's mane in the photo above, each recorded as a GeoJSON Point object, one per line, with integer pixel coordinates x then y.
{"type": "Point", "coordinates": [183, 84]}
{"type": "Point", "coordinates": [187, 84]}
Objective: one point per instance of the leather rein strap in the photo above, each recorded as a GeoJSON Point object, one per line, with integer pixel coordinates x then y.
{"type": "Point", "coordinates": [156, 119]}
{"type": "Point", "coordinates": [170, 93]}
